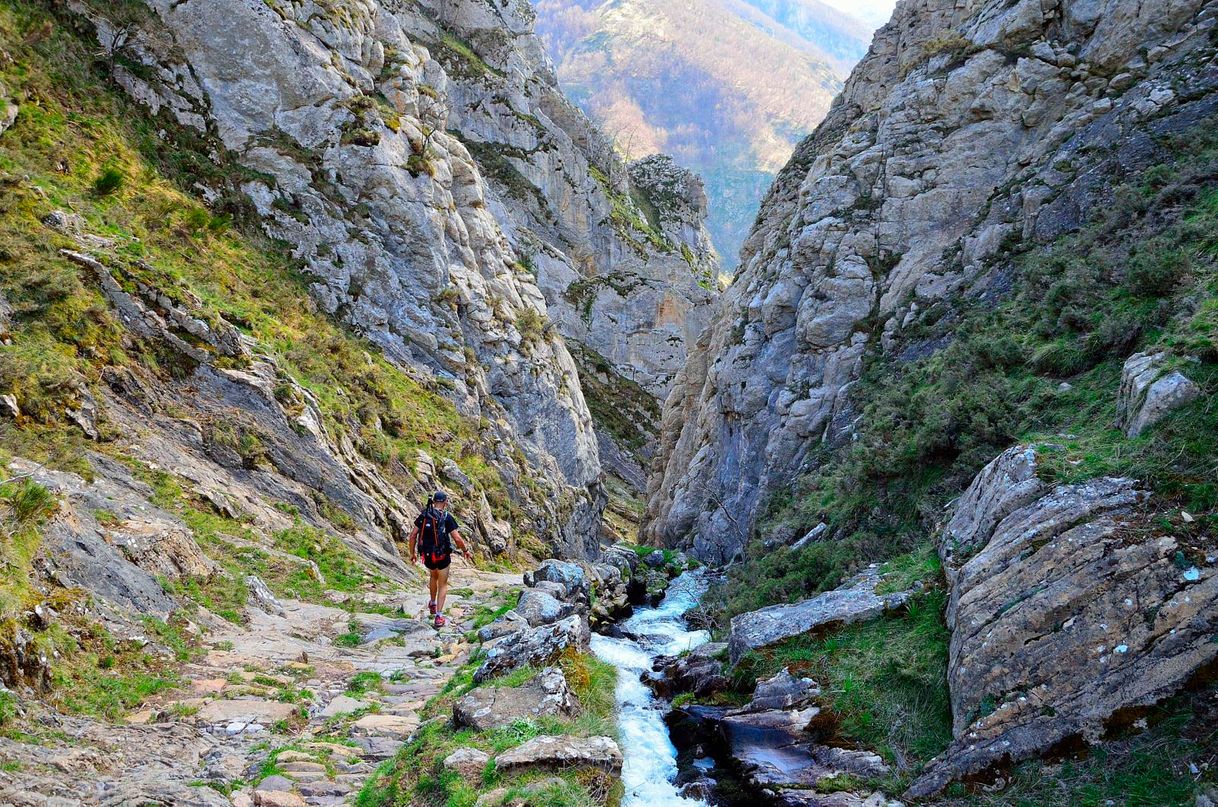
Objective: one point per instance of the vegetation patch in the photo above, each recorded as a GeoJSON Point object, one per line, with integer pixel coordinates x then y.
{"type": "Point", "coordinates": [886, 680]}
{"type": "Point", "coordinates": [417, 774]}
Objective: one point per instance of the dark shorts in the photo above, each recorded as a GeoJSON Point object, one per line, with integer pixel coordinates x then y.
{"type": "Point", "coordinates": [436, 561]}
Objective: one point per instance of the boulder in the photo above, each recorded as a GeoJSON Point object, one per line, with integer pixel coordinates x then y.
{"type": "Point", "coordinates": [534, 647]}
{"type": "Point", "coordinates": [540, 608]}
{"type": "Point", "coordinates": [262, 597]}
{"type": "Point", "coordinates": [698, 672]}
{"type": "Point", "coordinates": [1074, 607]}
{"type": "Point", "coordinates": [853, 601]}
{"type": "Point", "coordinates": [569, 575]}
{"type": "Point", "coordinates": [563, 751]}
{"type": "Point", "coordinates": [1149, 391]}
{"type": "Point", "coordinates": [655, 559]}
{"type": "Point", "coordinates": [343, 704]}
{"type": "Point", "coordinates": [510, 622]}
{"type": "Point", "coordinates": [783, 691]}
{"type": "Point", "coordinates": [469, 762]}
{"type": "Point", "coordinates": [490, 707]}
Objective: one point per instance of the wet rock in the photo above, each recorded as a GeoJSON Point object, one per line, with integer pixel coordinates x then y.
{"type": "Point", "coordinates": [1073, 607]}
{"type": "Point", "coordinates": [563, 751]}
{"type": "Point", "coordinates": [539, 608]}
{"type": "Point", "coordinates": [534, 647]}
{"type": "Point", "coordinates": [1149, 391]}
{"type": "Point", "coordinates": [854, 601]}
{"type": "Point", "coordinates": [490, 707]}
{"type": "Point", "coordinates": [699, 672]}
{"type": "Point", "coordinates": [783, 691]}
{"type": "Point", "coordinates": [469, 762]}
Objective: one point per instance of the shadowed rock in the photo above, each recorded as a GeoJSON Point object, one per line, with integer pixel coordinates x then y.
{"type": "Point", "coordinates": [1149, 391]}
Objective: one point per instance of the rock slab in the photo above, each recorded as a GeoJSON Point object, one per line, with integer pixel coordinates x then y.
{"type": "Point", "coordinates": [564, 751]}
{"type": "Point", "coordinates": [854, 601]}
{"type": "Point", "coordinates": [1071, 608]}
{"type": "Point", "coordinates": [490, 707]}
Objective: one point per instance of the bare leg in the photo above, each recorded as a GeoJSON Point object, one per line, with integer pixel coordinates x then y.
{"type": "Point", "coordinates": [433, 582]}
{"type": "Point", "coordinates": [441, 576]}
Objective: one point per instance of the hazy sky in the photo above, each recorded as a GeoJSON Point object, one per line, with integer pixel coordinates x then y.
{"type": "Point", "coordinates": [873, 12]}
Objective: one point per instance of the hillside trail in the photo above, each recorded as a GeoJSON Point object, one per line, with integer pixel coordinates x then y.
{"type": "Point", "coordinates": [279, 712]}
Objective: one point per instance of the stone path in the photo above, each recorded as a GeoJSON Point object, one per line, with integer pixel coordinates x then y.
{"type": "Point", "coordinates": [277, 713]}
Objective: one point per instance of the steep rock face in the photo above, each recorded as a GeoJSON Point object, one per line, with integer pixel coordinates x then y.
{"type": "Point", "coordinates": [618, 250]}
{"type": "Point", "coordinates": [968, 126]}
{"type": "Point", "coordinates": [1068, 604]}
{"type": "Point", "coordinates": [354, 139]}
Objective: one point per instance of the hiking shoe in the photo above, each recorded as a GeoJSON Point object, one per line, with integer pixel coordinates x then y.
{"type": "Point", "coordinates": [440, 621]}
{"type": "Point", "coordinates": [431, 607]}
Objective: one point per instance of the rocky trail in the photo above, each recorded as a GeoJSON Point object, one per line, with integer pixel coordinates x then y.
{"type": "Point", "coordinates": [298, 707]}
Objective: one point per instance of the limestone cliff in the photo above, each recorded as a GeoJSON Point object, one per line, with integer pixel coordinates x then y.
{"type": "Point", "coordinates": [970, 128]}
{"type": "Point", "coordinates": [367, 131]}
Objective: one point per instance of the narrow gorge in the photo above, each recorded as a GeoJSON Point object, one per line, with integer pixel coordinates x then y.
{"type": "Point", "coordinates": [918, 506]}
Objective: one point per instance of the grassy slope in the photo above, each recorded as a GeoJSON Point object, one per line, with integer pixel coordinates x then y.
{"type": "Point", "coordinates": [80, 146]}
{"type": "Point", "coordinates": [417, 775]}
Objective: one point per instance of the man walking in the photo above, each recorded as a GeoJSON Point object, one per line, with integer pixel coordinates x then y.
{"type": "Point", "coordinates": [433, 530]}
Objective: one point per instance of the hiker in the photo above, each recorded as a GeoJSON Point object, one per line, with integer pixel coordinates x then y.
{"type": "Point", "coordinates": [432, 531]}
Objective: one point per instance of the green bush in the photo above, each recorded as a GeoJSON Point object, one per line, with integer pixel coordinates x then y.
{"type": "Point", "coordinates": [108, 181]}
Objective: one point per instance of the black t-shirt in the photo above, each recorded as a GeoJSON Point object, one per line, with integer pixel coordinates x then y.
{"type": "Point", "coordinates": [448, 525]}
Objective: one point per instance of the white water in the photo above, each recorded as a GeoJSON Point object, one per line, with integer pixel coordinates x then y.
{"type": "Point", "coordinates": [650, 763]}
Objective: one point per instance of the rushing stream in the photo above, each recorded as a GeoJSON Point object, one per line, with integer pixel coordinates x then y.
{"type": "Point", "coordinates": [650, 763]}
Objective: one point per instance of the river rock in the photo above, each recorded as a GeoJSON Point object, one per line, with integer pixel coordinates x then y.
{"type": "Point", "coordinates": [654, 559]}
{"type": "Point", "coordinates": [539, 608]}
{"type": "Point", "coordinates": [699, 672]}
{"type": "Point", "coordinates": [1149, 391]}
{"type": "Point", "coordinates": [854, 601]}
{"type": "Point", "coordinates": [569, 575]}
{"type": "Point", "coordinates": [783, 691]}
{"type": "Point", "coordinates": [1075, 606]}
{"type": "Point", "coordinates": [563, 751]}
{"type": "Point", "coordinates": [490, 707]}
{"type": "Point", "coordinates": [534, 647]}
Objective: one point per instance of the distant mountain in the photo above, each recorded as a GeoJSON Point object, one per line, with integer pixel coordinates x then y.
{"type": "Point", "coordinates": [727, 87]}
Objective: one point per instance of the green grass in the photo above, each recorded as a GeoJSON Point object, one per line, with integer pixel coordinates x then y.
{"type": "Point", "coordinates": [416, 775]}
{"type": "Point", "coordinates": [366, 681]}
{"type": "Point", "coordinates": [886, 680]}
{"type": "Point", "coordinates": [102, 676]}
{"type": "Point", "coordinates": [351, 637]}
{"type": "Point", "coordinates": [24, 505]}
{"type": "Point", "coordinates": [1143, 769]}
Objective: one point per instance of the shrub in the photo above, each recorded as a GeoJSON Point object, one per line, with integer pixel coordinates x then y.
{"type": "Point", "coordinates": [109, 181]}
